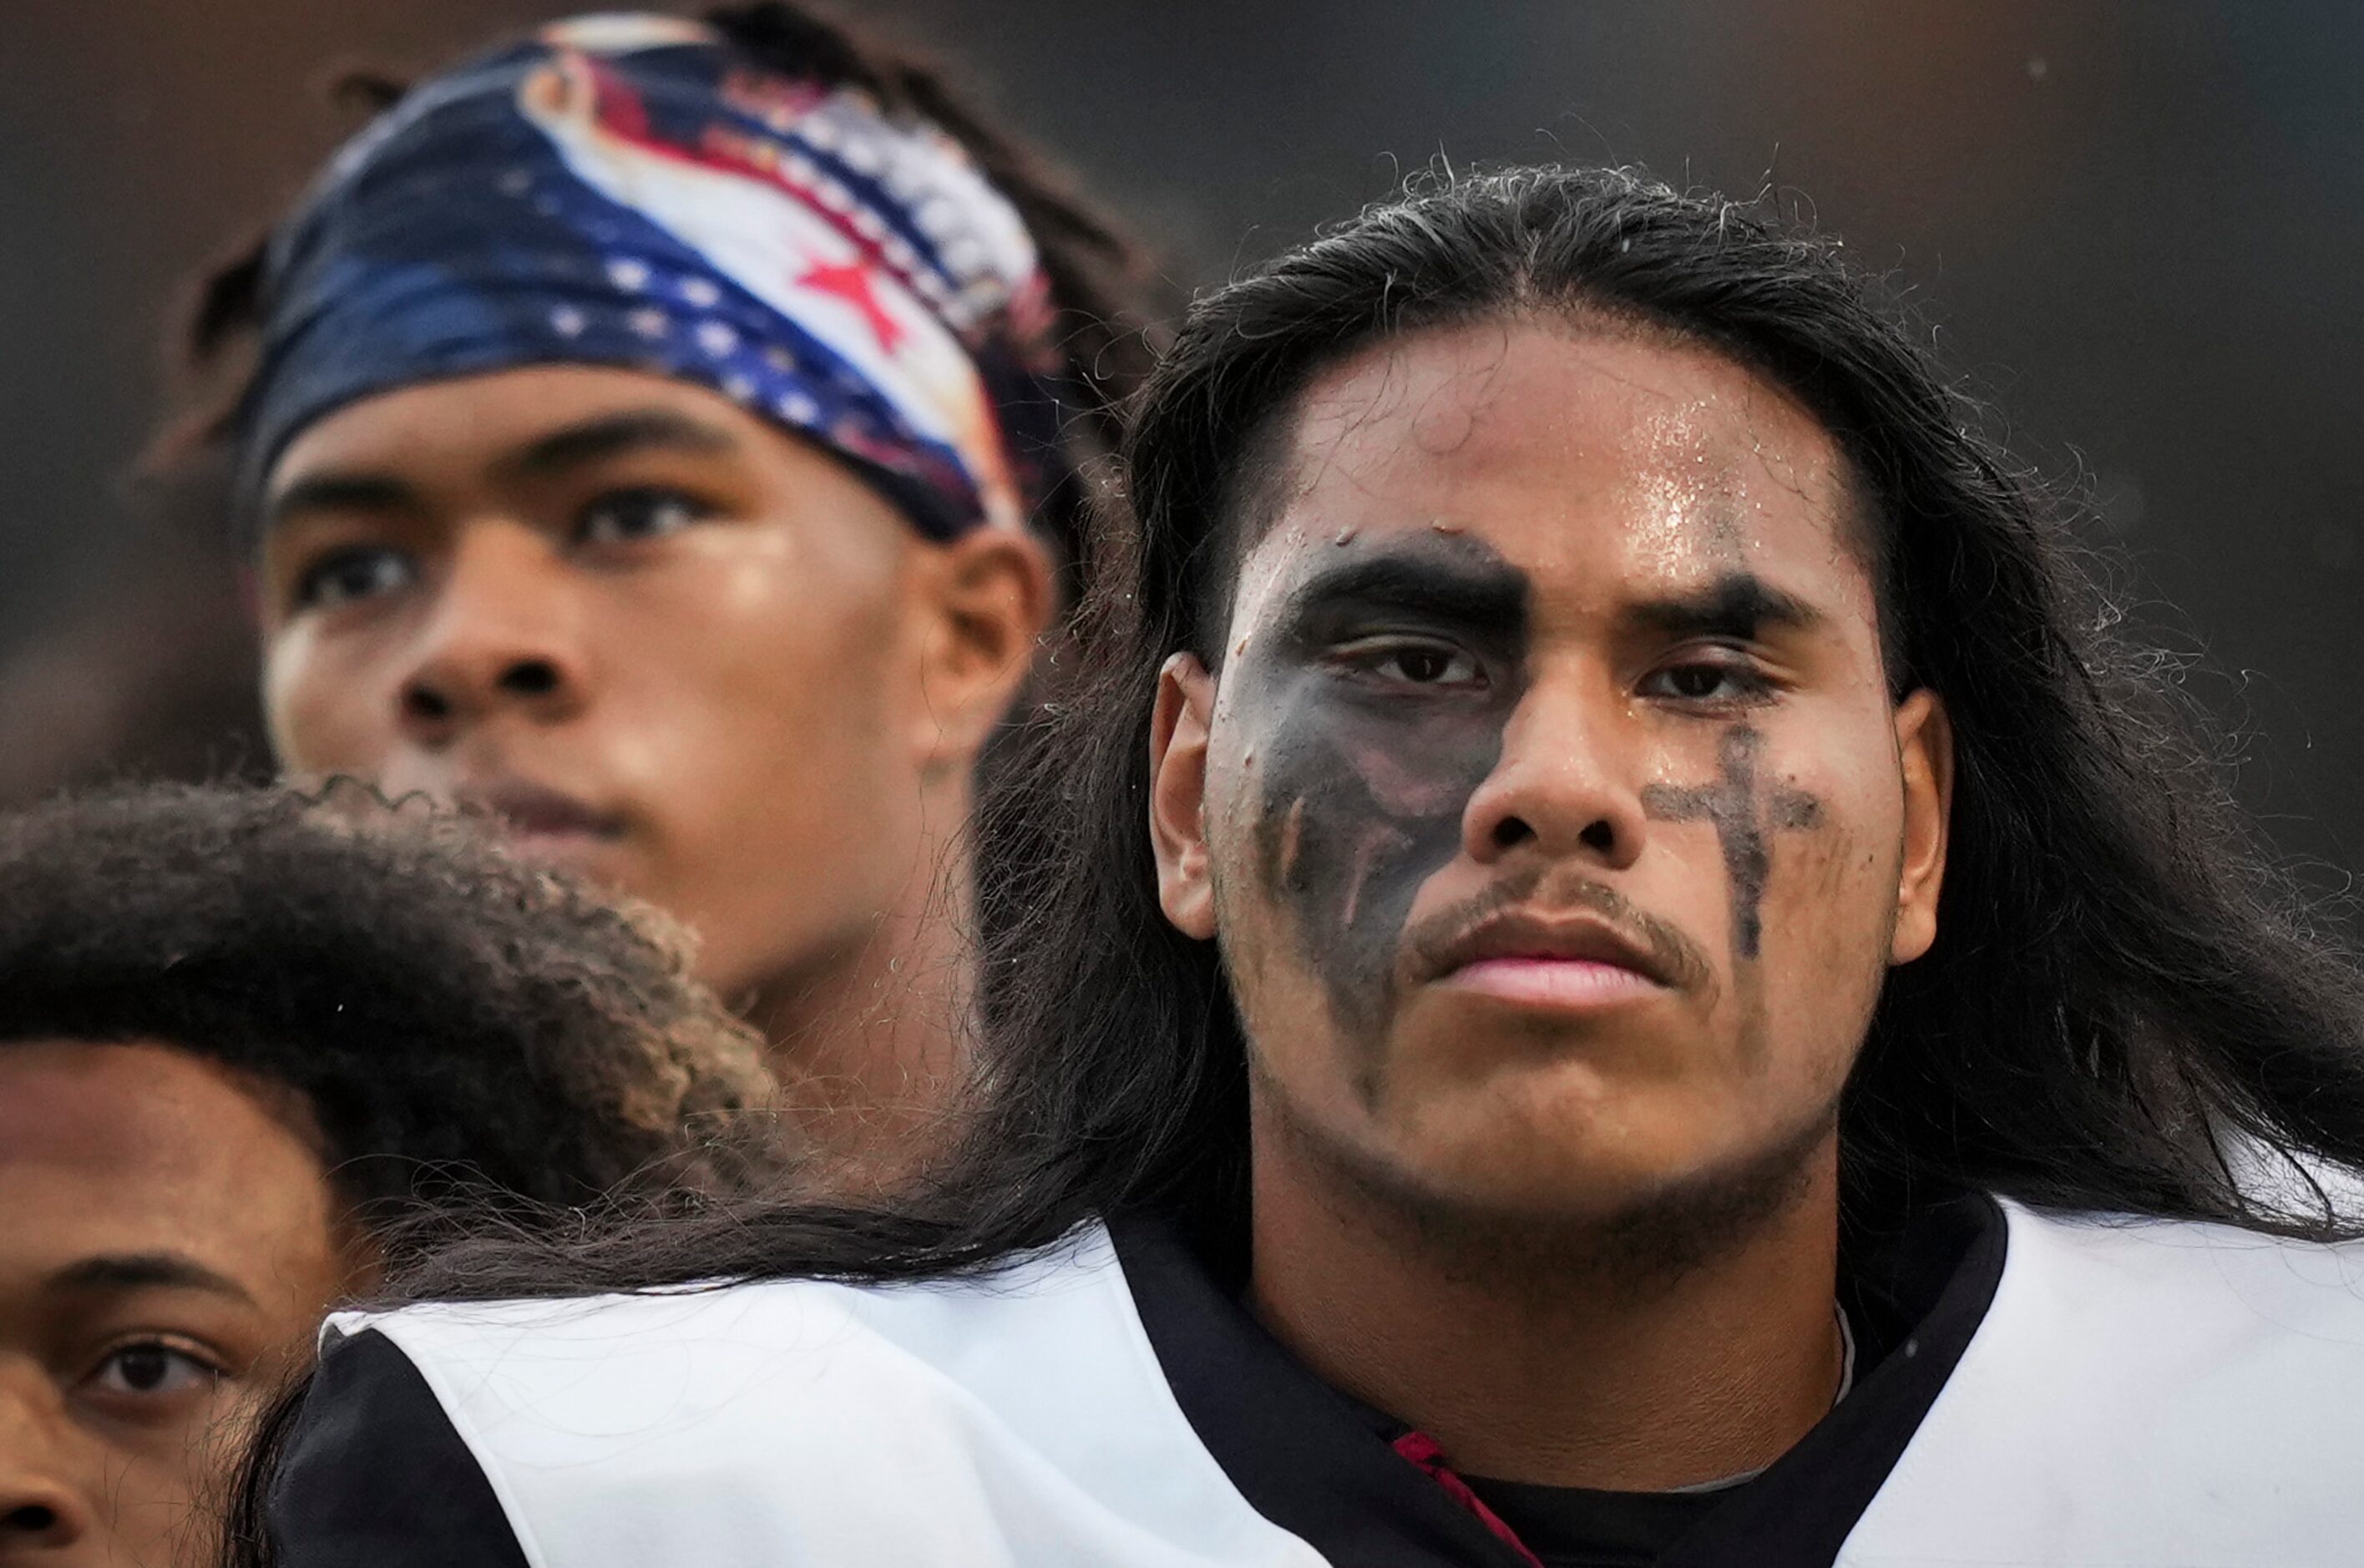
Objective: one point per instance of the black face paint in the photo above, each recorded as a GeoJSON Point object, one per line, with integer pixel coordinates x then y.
{"type": "Point", "coordinates": [1365, 777]}
{"type": "Point", "coordinates": [1744, 819]}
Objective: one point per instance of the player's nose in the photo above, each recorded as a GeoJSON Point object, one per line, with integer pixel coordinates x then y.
{"type": "Point", "coordinates": [42, 1512]}
{"type": "Point", "coordinates": [1561, 786]}
{"type": "Point", "coordinates": [504, 634]}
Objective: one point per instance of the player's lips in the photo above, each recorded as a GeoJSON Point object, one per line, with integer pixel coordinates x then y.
{"type": "Point", "coordinates": [1575, 959]}
{"type": "Point", "coordinates": [533, 818]}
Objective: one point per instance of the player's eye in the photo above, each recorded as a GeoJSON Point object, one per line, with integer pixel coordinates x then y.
{"type": "Point", "coordinates": [355, 573]}
{"type": "Point", "coordinates": [1726, 681]}
{"type": "Point", "coordinates": [1404, 662]}
{"type": "Point", "coordinates": [151, 1370]}
{"type": "Point", "coordinates": [642, 513]}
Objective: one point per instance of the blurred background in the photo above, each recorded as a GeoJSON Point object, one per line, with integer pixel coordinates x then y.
{"type": "Point", "coordinates": [2140, 222]}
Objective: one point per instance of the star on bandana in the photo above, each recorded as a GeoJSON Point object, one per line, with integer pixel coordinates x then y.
{"type": "Point", "coordinates": [850, 282]}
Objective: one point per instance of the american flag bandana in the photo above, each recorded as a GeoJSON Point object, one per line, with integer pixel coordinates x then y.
{"type": "Point", "coordinates": [632, 190]}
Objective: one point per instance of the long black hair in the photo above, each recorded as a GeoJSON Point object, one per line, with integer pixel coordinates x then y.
{"type": "Point", "coordinates": [2126, 1002]}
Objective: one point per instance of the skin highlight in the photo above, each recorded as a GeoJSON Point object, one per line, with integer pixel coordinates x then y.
{"type": "Point", "coordinates": [172, 1243]}
{"type": "Point", "coordinates": [1582, 1232]}
{"type": "Point", "coordinates": [667, 645]}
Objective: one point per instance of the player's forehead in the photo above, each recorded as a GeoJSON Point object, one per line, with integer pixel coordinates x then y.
{"type": "Point", "coordinates": [1601, 461]}
{"type": "Point", "coordinates": [475, 420]}
{"type": "Point", "coordinates": [132, 1148]}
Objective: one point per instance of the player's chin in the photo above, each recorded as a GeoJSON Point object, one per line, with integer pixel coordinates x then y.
{"type": "Point", "coordinates": [1576, 1186]}
{"type": "Point", "coordinates": [1546, 1076]}
{"type": "Point", "coordinates": [1569, 1135]}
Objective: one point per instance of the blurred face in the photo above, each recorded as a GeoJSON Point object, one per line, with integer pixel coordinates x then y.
{"type": "Point", "coordinates": [1550, 804]}
{"type": "Point", "coordinates": [169, 1250]}
{"type": "Point", "coordinates": [669, 646]}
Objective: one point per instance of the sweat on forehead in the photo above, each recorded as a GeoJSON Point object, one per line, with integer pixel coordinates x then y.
{"type": "Point", "coordinates": [1425, 429]}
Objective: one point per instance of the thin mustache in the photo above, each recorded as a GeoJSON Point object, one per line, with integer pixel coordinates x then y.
{"type": "Point", "coordinates": [1551, 889]}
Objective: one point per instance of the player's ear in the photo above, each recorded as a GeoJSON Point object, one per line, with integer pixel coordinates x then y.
{"type": "Point", "coordinates": [1177, 794]}
{"type": "Point", "coordinates": [988, 597]}
{"type": "Point", "coordinates": [1924, 749]}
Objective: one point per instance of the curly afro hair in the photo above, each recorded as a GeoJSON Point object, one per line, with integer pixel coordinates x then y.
{"type": "Point", "coordinates": [454, 1020]}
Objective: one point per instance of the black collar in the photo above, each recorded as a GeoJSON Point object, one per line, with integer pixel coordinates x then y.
{"type": "Point", "coordinates": [1319, 1464]}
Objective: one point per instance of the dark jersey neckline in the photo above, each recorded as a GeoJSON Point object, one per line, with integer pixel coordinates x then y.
{"type": "Point", "coordinates": [1915, 1278]}
{"type": "Point", "coordinates": [1886, 1289]}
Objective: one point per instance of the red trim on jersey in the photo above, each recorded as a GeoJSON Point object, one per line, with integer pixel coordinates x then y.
{"type": "Point", "coordinates": [1422, 1449]}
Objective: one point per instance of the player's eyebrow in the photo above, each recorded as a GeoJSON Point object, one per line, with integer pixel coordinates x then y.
{"type": "Point", "coordinates": [554, 453]}
{"type": "Point", "coordinates": [1738, 604]}
{"type": "Point", "coordinates": [613, 435]}
{"type": "Point", "coordinates": [143, 1270]}
{"type": "Point", "coordinates": [1463, 584]}
{"type": "Point", "coordinates": [341, 490]}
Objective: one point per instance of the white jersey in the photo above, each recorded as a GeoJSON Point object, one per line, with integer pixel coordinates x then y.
{"type": "Point", "coordinates": [2077, 1391]}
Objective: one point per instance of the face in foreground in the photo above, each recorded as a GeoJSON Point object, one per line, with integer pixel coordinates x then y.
{"type": "Point", "coordinates": [671, 646]}
{"type": "Point", "coordinates": [1550, 803]}
{"type": "Point", "coordinates": [169, 1250]}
